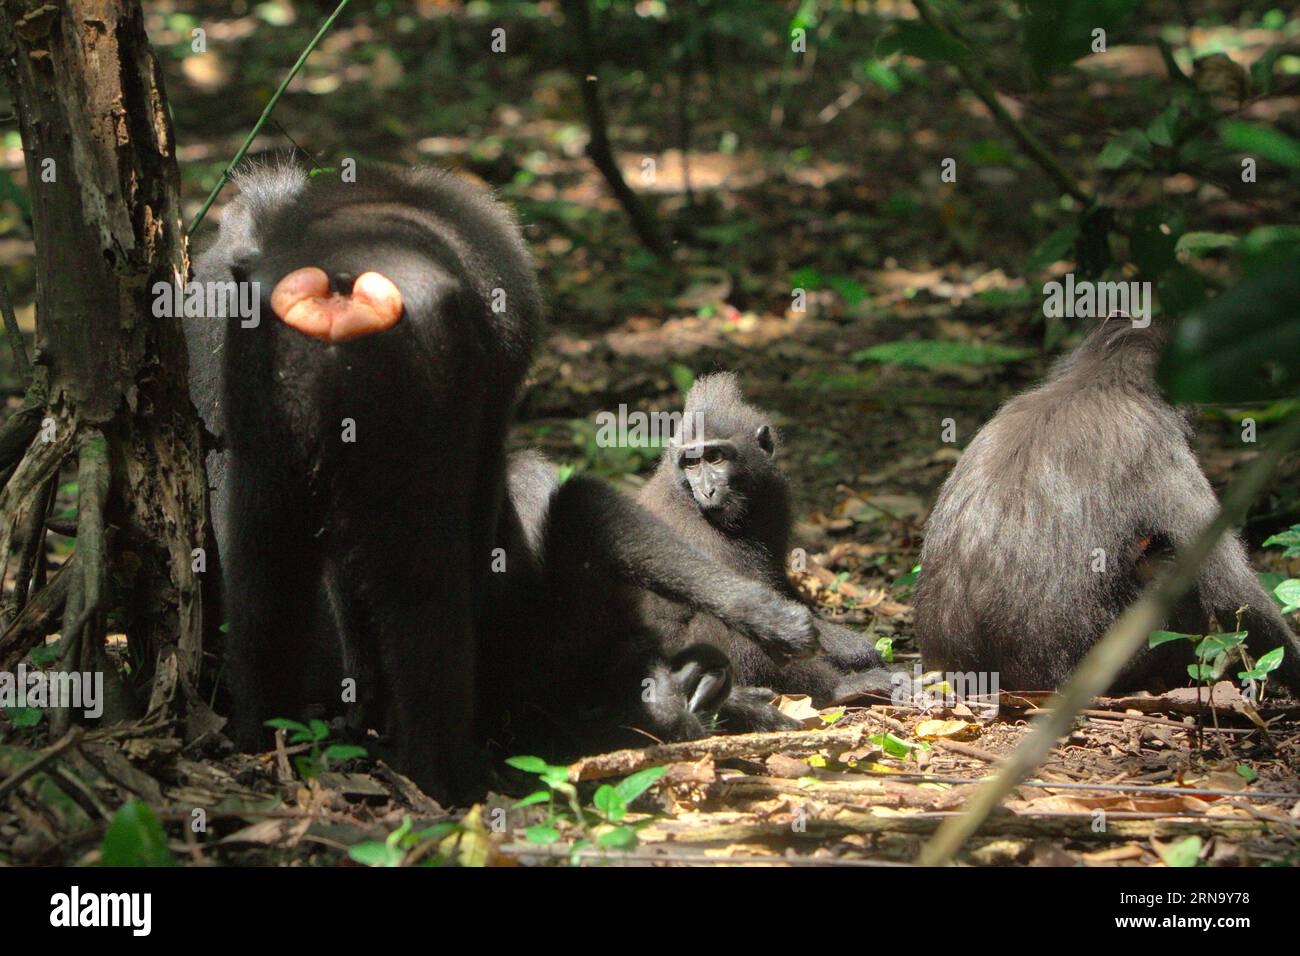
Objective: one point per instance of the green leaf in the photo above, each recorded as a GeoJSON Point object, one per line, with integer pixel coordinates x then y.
{"type": "Point", "coordinates": [557, 778]}
{"type": "Point", "coordinates": [544, 834]}
{"type": "Point", "coordinates": [806, 278]}
{"type": "Point", "coordinates": [395, 838]}
{"type": "Point", "coordinates": [46, 654]}
{"type": "Point", "coordinates": [375, 854]}
{"type": "Point", "coordinates": [893, 746]}
{"type": "Point", "coordinates": [1269, 580]}
{"type": "Point", "coordinates": [1057, 32]}
{"type": "Point", "coordinates": [319, 730]}
{"type": "Point", "coordinates": [1199, 243]}
{"type": "Point", "coordinates": [1260, 142]}
{"type": "Point", "coordinates": [1055, 247]}
{"type": "Point", "coordinates": [575, 851]}
{"type": "Point", "coordinates": [909, 579]}
{"type": "Point", "coordinates": [1184, 853]}
{"type": "Point", "coordinates": [638, 783]}
{"type": "Point", "coordinates": [609, 803]}
{"type": "Point", "coordinates": [619, 838]}
{"type": "Point", "coordinates": [1261, 71]}
{"type": "Point", "coordinates": [1163, 128]}
{"type": "Point", "coordinates": [336, 753]}
{"type": "Point", "coordinates": [439, 831]}
{"type": "Point", "coordinates": [1246, 773]}
{"type": "Point", "coordinates": [1018, 297]}
{"type": "Point", "coordinates": [536, 797]}
{"type": "Point", "coordinates": [682, 377]}
{"type": "Point", "coordinates": [923, 353]}
{"type": "Point", "coordinates": [1289, 539]}
{"type": "Point", "coordinates": [853, 293]}
{"type": "Point", "coordinates": [24, 716]}
{"type": "Point", "coordinates": [1264, 245]}
{"type": "Point", "coordinates": [528, 764]}
{"type": "Point", "coordinates": [284, 723]}
{"type": "Point", "coordinates": [1127, 148]}
{"type": "Point", "coordinates": [831, 717]}
{"type": "Point", "coordinates": [135, 837]}
{"type": "Point", "coordinates": [918, 40]}
{"type": "Point", "coordinates": [885, 648]}
{"type": "Point", "coordinates": [1241, 345]}
{"type": "Point", "coordinates": [881, 75]}
{"type": "Point", "coordinates": [1288, 593]}
{"type": "Point", "coordinates": [1266, 664]}
{"type": "Point", "coordinates": [1156, 638]}
{"type": "Point", "coordinates": [1215, 644]}
{"type": "Point", "coordinates": [990, 152]}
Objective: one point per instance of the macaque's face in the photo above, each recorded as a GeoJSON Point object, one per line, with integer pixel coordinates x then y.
{"type": "Point", "coordinates": [720, 474]}
{"type": "Point", "coordinates": [706, 470]}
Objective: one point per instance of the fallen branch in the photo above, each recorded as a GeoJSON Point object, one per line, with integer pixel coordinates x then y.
{"type": "Point", "coordinates": [622, 762]}
{"type": "Point", "coordinates": [966, 750]}
{"type": "Point", "coordinates": [841, 821]}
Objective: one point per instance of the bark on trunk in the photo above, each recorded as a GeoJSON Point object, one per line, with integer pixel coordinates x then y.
{"type": "Point", "coordinates": [103, 179]}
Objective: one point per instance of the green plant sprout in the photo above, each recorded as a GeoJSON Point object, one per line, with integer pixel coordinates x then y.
{"type": "Point", "coordinates": [1214, 653]}
{"type": "Point", "coordinates": [1287, 591]}
{"type": "Point", "coordinates": [604, 827]}
{"type": "Point", "coordinates": [316, 733]}
{"type": "Point", "coordinates": [400, 845]}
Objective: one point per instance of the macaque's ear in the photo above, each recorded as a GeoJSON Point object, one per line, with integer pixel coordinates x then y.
{"type": "Point", "coordinates": [764, 438]}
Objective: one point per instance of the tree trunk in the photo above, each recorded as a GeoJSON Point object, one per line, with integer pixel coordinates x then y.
{"type": "Point", "coordinates": [598, 146]}
{"type": "Point", "coordinates": [101, 170]}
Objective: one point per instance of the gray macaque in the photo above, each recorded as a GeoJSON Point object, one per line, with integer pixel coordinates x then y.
{"type": "Point", "coordinates": [719, 488]}
{"type": "Point", "coordinates": [1062, 507]}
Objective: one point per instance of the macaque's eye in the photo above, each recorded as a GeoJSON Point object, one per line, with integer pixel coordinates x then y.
{"type": "Point", "coordinates": [690, 464]}
{"type": "Point", "coordinates": [713, 456]}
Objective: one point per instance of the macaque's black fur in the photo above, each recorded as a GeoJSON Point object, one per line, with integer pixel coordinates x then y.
{"type": "Point", "coordinates": [397, 527]}
{"type": "Point", "coordinates": [567, 660]}
{"type": "Point", "coordinates": [1092, 458]}
{"type": "Point", "coordinates": [736, 509]}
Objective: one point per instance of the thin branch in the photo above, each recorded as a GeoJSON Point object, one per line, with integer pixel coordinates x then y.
{"type": "Point", "coordinates": [598, 147]}
{"type": "Point", "coordinates": [989, 97]}
{"type": "Point", "coordinates": [15, 335]}
{"type": "Point", "coordinates": [266, 115]}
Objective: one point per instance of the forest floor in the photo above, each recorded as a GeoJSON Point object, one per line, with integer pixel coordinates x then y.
{"type": "Point", "coordinates": [845, 205]}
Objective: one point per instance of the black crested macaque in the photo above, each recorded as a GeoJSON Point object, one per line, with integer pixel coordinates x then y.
{"type": "Point", "coordinates": [1060, 509]}
{"type": "Point", "coordinates": [719, 488]}
{"type": "Point", "coordinates": [568, 661]}
{"type": "Point", "coordinates": [359, 426]}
